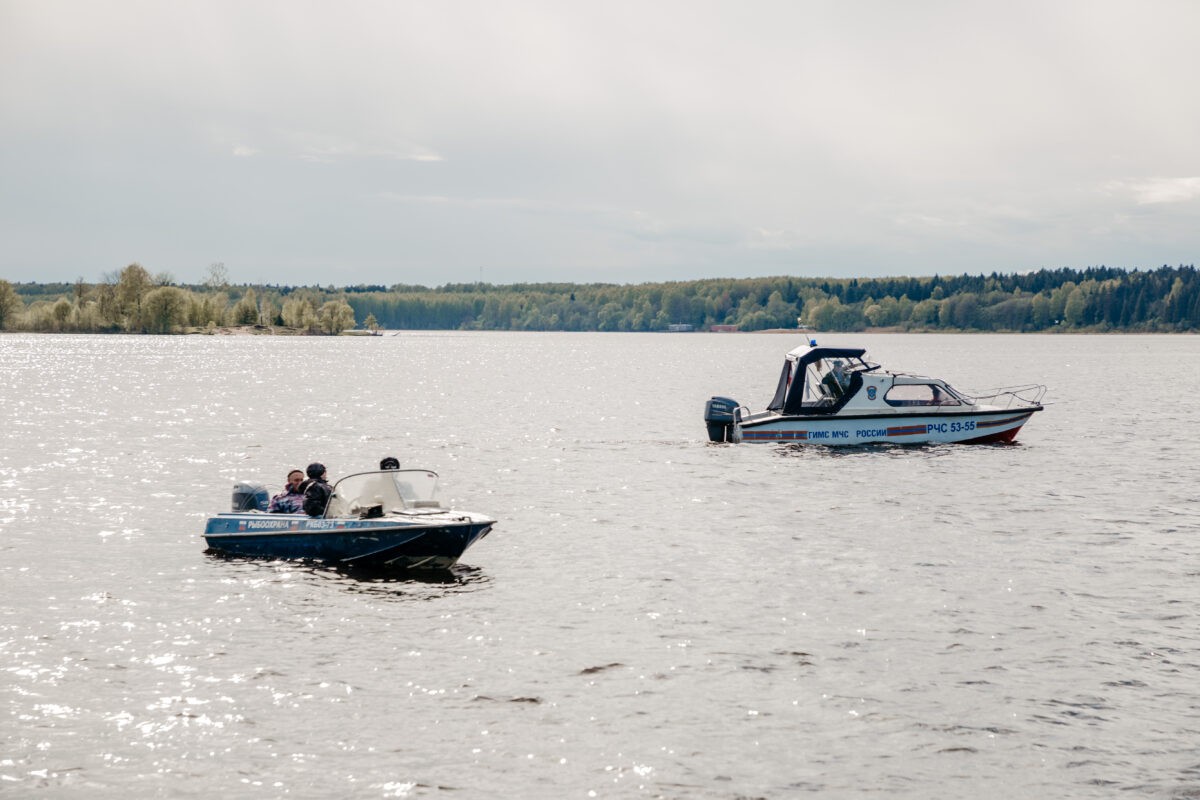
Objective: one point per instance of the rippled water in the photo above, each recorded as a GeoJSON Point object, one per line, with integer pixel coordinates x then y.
{"type": "Point", "coordinates": [653, 616]}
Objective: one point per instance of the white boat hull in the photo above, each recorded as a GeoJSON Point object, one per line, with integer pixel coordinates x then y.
{"type": "Point", "coordinates": [975, 428]}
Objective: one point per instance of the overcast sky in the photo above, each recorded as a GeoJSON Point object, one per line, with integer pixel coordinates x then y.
{"type": "Point", "coordinates": [446, 141]}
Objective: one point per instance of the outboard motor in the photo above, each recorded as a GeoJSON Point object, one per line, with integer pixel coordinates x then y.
{"type": "Point", "coordinates": [248, 496]}
{"type": "Point", "coordinates": [718, 415]}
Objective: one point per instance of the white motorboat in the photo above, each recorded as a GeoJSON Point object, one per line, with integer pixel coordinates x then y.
{"type": "Point", "coordinates": [834, 396]}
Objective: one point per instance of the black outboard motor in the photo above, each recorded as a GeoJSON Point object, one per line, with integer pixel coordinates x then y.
{"type": "Point", "coordinates": [248, 496]}
{"type": "Point", "coordinates": [718, 415]}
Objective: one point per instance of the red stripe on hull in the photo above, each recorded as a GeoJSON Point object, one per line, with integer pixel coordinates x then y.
{"type": "Point", "coordinates": [995, 438]}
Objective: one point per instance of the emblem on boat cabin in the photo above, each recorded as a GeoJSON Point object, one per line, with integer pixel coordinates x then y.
{"type": "Point", "coordinates": [871, 392]}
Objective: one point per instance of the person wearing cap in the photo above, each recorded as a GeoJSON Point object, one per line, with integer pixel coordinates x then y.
{"type": "Point", "coordinates": [390, 462]}
{"type": "Point", "coordinates": [316, 490]}
{"type": "Point", "coordinates": [291, 499]}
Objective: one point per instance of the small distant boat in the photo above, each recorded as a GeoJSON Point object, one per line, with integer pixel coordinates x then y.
{"type": "Point", "coordinates": [381, 520]}
{"type": "Point", "coordinates": [834, 396]}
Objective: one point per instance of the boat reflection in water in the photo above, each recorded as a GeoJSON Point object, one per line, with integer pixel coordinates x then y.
{"type": "Point", "coordinates": [834, 396]}
{"type": "Point", "coordinates": [375, 522]}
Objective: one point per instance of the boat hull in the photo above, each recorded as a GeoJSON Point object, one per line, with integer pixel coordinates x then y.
{"type": "Point", "coordinates": [847, 431]}
{"type": "Point", "coordinates": [427, 542]}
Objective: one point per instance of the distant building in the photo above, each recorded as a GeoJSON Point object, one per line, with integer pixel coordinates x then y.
{"type": "Point", "coordinates": [724, 328]}
{"type": "Point", "coordinates": [681, 327]}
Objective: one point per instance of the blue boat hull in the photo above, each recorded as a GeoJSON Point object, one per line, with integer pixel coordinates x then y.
{"type": "Point", "coordinates": [435, 543]}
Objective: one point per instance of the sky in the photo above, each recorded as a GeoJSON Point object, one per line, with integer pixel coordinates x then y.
{"type": "Point", "coordinates": [303, 142]}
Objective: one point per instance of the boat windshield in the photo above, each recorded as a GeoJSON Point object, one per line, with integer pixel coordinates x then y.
{"type": "Point", "coordinates": [389, 490]}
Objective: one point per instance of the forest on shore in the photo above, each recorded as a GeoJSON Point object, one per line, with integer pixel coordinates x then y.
{"type": "Point", "coordinates": [1094, 299]}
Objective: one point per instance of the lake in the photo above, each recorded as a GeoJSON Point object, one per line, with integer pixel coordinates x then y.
{"type": "Point", "coordinates": [653, 615]}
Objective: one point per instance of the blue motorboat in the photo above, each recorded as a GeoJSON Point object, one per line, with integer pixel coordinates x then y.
{"type": "Point", "coordinates": [381, 520]}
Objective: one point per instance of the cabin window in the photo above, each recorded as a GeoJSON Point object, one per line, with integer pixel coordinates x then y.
{"type": "Point", "coordinates": [919, 394]}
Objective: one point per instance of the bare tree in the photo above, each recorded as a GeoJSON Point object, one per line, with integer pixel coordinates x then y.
{"type": "Point", "coordinates": [218, 276]}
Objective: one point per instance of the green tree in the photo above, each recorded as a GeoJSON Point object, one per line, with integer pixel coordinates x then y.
{"type": "Point", "coordinates": [88, 316]}
{"type": "Point", "coordinates": [834, 315]}
{"type": "Point", "coordinates": [959, 311]}
{"type": "Point", "coordinates": [1074, 307]}
{"type": "Point", "coordinates": [336, 316]}
{"type": "Point", "coordinates": [61, 310]}
{"type": "Point", "coordinates": [1058, 300]}
{"type": "Point", "coordinates": [822, 314]}
{"type": "Point", "coordinates": [298, 312]}
{"type": "Point", "coordinates": [1042, 315]}
{"type": "Point", "coordinates": [106, 303]}
{"type": "Point", "coordinates": [1011, 314]}
{"type": "Point", "coordinates": [165, 309]}
{"type": "Point", "coordinates": [10, 304]}
{"type": "Point", "coordinates": [883, 314]}
{"type": "Point", "coordinates": [779, 312]}
{"type": "Point", "coordinates": [132, 286]}
{"type": "Point", "coordinates": [924, 313]}
{"type": "Point", "coordinates": [267, 312]}
{"type": "Point", "coordinates": [611, 317]}
{"type": "Point", "coordinates": [245, 312]}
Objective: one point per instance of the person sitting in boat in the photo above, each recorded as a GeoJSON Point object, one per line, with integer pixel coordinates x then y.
{"type": "Point", "coordinates": [316, 490]}
{"type": "Point", "coordinates": [942, 397]}
{"type": "Point", "coordinates": [291, 499]}
{"type": "Point", "coordinates": [391, 462]}
{"type": "Point", "coordinates": [835, 381]}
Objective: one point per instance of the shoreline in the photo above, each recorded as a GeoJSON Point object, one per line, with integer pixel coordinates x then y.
{"type": "Point", "coordinates": [281, 330]}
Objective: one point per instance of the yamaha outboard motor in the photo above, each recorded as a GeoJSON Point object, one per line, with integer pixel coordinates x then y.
{"type": "Point", "coordinates": [249, 496]}
{"type": "Point", "coordinates": [718, 415]}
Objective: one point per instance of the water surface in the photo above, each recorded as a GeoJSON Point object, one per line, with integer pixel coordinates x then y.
{"type": "Point", "coordinates": [653, 615]}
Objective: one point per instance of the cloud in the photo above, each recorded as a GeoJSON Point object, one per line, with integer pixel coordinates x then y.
{"type": "Point", "coordinates": [919, 221]}
{"type": "Point", "coordinates": [1163, 190]}
{"type": "Point", "coordinates": [329, 148]}
{"type": "Point", "coordinates": [420, 139]}
{"type": "Point", "coordinates": [775, 239]}
{"type": "Point", "coordinates": [462, 202]}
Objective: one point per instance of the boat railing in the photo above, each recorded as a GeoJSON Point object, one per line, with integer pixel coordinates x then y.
{"type": "Point", "coordinates": [1011, 396]}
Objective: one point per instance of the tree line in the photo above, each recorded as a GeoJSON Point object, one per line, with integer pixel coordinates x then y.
{"type": "Point", "coordinates": [1092, 299]}
{"type": "Point", "coordinates": [134, 301]}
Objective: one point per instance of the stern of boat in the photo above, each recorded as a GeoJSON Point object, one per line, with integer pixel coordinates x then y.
{"type": "Point", "coordinates": [720, 415]}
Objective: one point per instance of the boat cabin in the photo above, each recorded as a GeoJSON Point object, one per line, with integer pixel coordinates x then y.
{"type": "Point", "coordinates": [827, 380]}
{"type": "Point", "coordinates": [819, 380]}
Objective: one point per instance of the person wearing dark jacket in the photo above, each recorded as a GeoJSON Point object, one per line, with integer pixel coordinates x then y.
{"type": "Point", "coordinates": [316, 490]}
